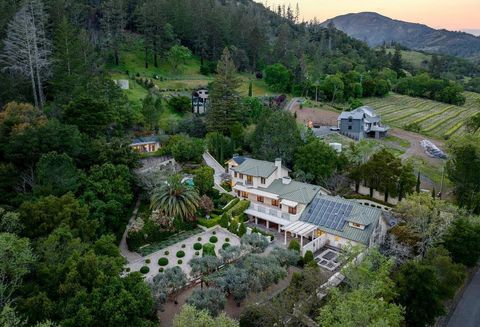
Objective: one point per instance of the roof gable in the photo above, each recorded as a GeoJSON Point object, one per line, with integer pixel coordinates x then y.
{"type": "Point", "coordinates": [293, 191]}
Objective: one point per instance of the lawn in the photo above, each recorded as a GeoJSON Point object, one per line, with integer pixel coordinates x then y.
{"type": "Point", "coordinates": [436, 119]}
{"type": "Point", "coordinates": [179, 237]}
{"type": "Point", "coordinates": [415, 58]}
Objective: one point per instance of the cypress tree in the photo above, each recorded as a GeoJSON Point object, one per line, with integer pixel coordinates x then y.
{"type": "Point", "coordinates": [250, 89]}
{"type": "Point", "coordinates": [417, 188]}
{"type": "Point", "coordinates": [225, 108]}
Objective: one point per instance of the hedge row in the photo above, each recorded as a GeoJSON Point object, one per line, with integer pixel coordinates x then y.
{"type": "Point", "coordinates": [231, 204]}
{"type": "Point", "coordinates": [209, 222]}
{"type": "Point", "coordinates": [238, 208]}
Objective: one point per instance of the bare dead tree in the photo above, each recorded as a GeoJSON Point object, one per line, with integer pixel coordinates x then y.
{"type": "Point", "coordinates": [27, 49]}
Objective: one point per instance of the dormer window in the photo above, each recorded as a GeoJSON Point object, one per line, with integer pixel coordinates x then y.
{"type": "Point", "coordinates": [356, 225]}
{"type": "Point", "coordinates": [350, 119]}
{"type": "Point", "coordinates": [262, 180]}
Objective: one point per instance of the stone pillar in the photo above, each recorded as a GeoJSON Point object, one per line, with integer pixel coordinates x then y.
{"type": "Point", "coordinates": [285, 241]}
{"type": "Point", "coordinates": [268, 224]}
{"type": "Point", "coordinates": [256, 221]}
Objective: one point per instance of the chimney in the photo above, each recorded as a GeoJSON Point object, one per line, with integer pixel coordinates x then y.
{"type": "Point", "coordinates": [278, 164]}
{"type": "Point", "coordinates": [286, 180]}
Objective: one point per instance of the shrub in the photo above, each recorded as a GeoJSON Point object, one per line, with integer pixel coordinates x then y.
{"type": "Point", "coordinates": [160, 269]}
{"type": "Point", "coordinates": [180, 254]}
{"type": "Point", "coordinates": [233, 228]}
{"type": "Point", "coordinates": [197, 253]}
{"type": "Point", "coordinates": [308, 257]}
{"type": "Point", "coordinates": [127, 269]}
{"type": "Point", "coordinates": [257, 242]}
{"type": "Point", "coordinates": [227, 239]}
{"type": "Point", "coordinates": [213, 239]}
{"type": "Point", "coordinates": [180, 261]}
{"type": "Point", "coordinates": [166, 253]}
{"type": "Point", "coordinates": [224, 220]}
{"type": "Point", "coordinates": [214, 232]}
{"type": "Point", "coordinates": [242, 230]}
{"type": "Point", "coordinates": [225, 245]}
{"type": "Point", "coordinates": [294, 245]}
{"type": "Point", "coordinates": [148, 261]}
{"type": "Point", "coordinates": [209, 222]}
{"type": "Point", "coordinates": [163, 261]}
{"type": "Point", "coordinates": [197, 246]}
{"type": "Point", "coordinates": [144, 270]}
{"type": "Point", "coordinates": [209, 249]}
{"type": "Point", "coordinates": [199, 238]}
{"type": "Point", "coordinates": [183, 246]}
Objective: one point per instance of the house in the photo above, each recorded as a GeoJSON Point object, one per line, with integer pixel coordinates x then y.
{"type": "Point", "coordinates": [145, 144]}
{"type": "Point", "coordinates": [235, 161]}
{"type": "Point", "coordinates": [302, 210]}
{"type": "Point", "coordinates": [200, 101]}
{"type": "Point", "coordinates": [361, 123]}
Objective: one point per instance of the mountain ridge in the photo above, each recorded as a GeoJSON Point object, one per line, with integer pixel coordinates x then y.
{"type": "Point", "coordinates": [376, 29]}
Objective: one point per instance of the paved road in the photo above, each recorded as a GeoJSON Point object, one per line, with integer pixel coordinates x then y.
{"type": "Point", "coordinates": [219, 170]}
{"type": "Point", "coordinates": [292, 104]}
{"type": "Point", "coordinates": [467, 313]}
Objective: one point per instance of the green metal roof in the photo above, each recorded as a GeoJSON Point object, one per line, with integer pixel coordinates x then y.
{"type": "Point", "coordinates": [334, 219]}
{"type": "Point", "coordinates": [257, 168]}
{"type": "Point", "coordinates": [294, 191]}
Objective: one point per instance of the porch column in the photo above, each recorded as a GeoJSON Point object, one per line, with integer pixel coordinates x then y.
{"type": "Point", "coordinates": [301, 241]}
{"type": "Point", "coordinates": [256, 221]}
{"type": "Point", "coordinates": [268, 224]}
{"type": "Point", "coordinates": [285, 241]}
{"type": "Point", "coordinates": [279, 229]}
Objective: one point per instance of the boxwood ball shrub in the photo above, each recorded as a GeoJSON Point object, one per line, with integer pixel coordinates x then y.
{"type": "Point", "coordinates": [162, 261]}
{"type": "Point", "coordinates": [227, 239]}
{"type": "Point", "coordinates": [213, 239]}
{"type": "Point", "coordinates": [147, 261]}
{"type": "Point", "coordinates": [127, 269]}
{"type": "Point", "coordinates": [144, 270]}
{"type": "Point", "coordinates": [214, 232]}
{"type": "Point", "coordinates": [160, 269]}
{"type": "Point", "coordinates": [197, 246]}
{"type": "Point", "coordinates": [197, 253]}
{"type": "Point", "coordinates": [166, 253]}
{"type": "Point", "coordinates": [180, 262]}
{"type": "Point", "coordinates": [199, 239]}
{"type": "Point", "coordinates": [225, 245]}
{"type": "Point", "coordinates": [183, 246]}
{"type": "Point", "coordinates": [180, 254]}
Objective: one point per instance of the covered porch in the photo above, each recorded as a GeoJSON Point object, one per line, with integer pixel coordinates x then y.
{"type": "Point", "coordinates": [311, 238]}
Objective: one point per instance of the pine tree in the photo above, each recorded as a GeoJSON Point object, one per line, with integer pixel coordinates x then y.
{"type": "Point", "coordinates": [396, 63]}
{"type": "Point", "coordinates": [113, 23]}
{"type": "Point", "coordinates": [225, 107]}
{"type": "Point", "coordinates": [250, 89]}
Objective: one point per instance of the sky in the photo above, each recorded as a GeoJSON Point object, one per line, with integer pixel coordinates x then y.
{"type": "Point", "coordinates": [453, 15]}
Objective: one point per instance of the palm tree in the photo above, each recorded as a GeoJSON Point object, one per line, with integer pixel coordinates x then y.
{"type": "Point", "coordinates": [175, 199]}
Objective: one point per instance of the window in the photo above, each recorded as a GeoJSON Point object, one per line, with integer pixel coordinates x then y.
{"type": "Point", "coordinates": [260, 199]}
{"type": "Point", "coordinates": [349, 127]}
{"type": "Point", "coordinates": [292, 211]}
{"type": "Point", "coordinates": [236, 174]}
{"type": "Point", "coordinates": [244, 195]}
{"type": "Point", "coordinates": [274, 203]}
{"type": "Point", "coordinates": [241, 176]}
{"type": "Point", "coordinates": [238, 193]}
{"type": "Point", "coordinates": [350, 119]}
{"type": "Point", "coordinates": [262, 180]}
{"type": "Point", "coordinates": [249, 179]}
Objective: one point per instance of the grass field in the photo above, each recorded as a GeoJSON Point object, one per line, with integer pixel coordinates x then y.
{"type": "Point", "coordinates": [437, 120]}
{"type": "Point", "coordinates": [415, 58]}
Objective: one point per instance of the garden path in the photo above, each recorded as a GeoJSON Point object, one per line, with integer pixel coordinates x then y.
{"type": "Point", "coordinates": [125, 252]}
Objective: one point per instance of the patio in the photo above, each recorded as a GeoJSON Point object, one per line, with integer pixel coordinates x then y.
{"type": "Point", "coordinates": [328, 259]}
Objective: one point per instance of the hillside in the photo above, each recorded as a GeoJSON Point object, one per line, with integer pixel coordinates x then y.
{"type": "Point", "coordinates": [436, 119]}
{"type": "Point", "coordinates": [376, 29]}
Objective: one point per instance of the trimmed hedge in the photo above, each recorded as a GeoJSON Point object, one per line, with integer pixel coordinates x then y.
{"type": "Point", "coordinates": [163, 261]}
{"type": "Point", "coordinates": [209, 222]}
{"type": "Point", "coordinates": [225, 245]}
{"type": "Point", "coordinates": [180, 254]}
{"type": "Point", "coordinates": [144, 270]}
{"type": "Point", "coordinates": [227, 239]}
{"type": "Point", "coordinates": [213, 239]}
{"type": "Point", "coordinates": [166, 253]}
{"type": "Point", "coordinates": [183, 246]}
{"type": "Point", "coordinates": [197, 253]}
{"type": "Point", "coordinates": [214, 232]}
{"type": "Point", "coordinates": [180, 261]}
{"type": "Point", "coordinates": [148, 261]}
{"type": "Point", "coordinates": [238, 208]}
{"type": "Point", "coordinates": [209, 249]}
{"type": "Point", "coordinates": [160, 269]}
{"type": "Point", "coordinates": [197, 246]}
{"type": "Point", "coordinates": [231, 204]}
{"type": "Point", "coordinates": [199, 238]}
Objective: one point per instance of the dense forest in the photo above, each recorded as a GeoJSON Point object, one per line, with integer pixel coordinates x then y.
{"type": "Point", "coordinates": [67, 182]}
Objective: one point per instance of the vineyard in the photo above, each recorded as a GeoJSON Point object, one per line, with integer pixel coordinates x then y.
{"type": "Point", "coordinates": [435, 119]}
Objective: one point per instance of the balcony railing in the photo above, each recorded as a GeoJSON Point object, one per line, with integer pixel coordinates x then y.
{"type": "Point", "coordinates": [273, 212]}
